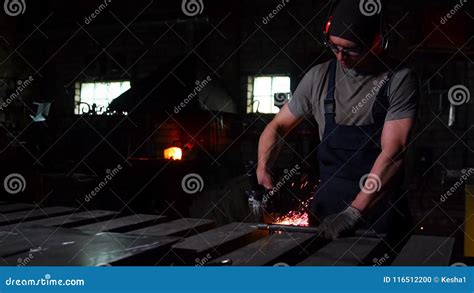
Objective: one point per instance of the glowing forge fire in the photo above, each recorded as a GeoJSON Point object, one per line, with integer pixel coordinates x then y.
{"type": "Point", "coordinates": [173, 153]}
{"type": "Point", "coordinates": [296, 218]}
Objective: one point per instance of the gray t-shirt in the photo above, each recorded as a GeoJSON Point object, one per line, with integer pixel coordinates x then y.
{"type": "Point", "coordinates": [355, 95]}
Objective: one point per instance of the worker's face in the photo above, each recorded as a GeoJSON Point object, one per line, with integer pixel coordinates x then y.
{"type": "Point", "coordinates": [348, 53]}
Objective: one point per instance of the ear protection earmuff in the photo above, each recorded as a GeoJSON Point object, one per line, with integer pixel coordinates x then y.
{"type": "Point", "coordinates": [380, 42]}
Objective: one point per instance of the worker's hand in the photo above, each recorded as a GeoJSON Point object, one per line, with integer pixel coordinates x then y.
{"type": "Point", "coordinates": [333, 225]}
{"type": "Point", "coordinates": [264, 178]}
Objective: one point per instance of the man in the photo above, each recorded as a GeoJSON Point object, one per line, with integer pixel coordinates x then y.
{"type": "Point", "coordinates": [365, 107]}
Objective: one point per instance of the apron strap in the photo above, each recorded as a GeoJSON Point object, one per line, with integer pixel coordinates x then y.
{"type": "Point", "coordinates": [329, 102]}
{"type": "Point", "coordinates": [379, 110]}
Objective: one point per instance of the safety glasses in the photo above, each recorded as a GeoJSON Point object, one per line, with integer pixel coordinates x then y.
{"type": "Point", "coordinates": [353, 52]}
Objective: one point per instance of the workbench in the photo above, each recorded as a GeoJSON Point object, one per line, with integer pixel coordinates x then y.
{"type": "Point", "coordinates": [39, 236]}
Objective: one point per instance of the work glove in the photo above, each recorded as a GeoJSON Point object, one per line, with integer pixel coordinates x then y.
{"type": "Point", "coordinates": [334, 225]}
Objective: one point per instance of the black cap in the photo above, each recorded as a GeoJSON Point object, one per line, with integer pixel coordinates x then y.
{"type": "Point", "coordinates": [356, 20]}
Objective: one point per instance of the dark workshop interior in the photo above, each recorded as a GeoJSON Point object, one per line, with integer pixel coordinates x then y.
{"type": "Point", "coordinates": [129, 134]}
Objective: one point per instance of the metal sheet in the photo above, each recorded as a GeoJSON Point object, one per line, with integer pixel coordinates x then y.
{"type": "Point", "coordinates": [269, 250]}
{"type": "Point", "coordinates": [70, 220]}
{"type": "Point", "coordinates": [10, 208]}
{"type": "Point", "coordinates": [425, 251]}
{"type": "Point", "coordinates": [123, 224]}
{"type": "Point", "coordinates": [218, 241]}
{"type": "Point", "coordinates": [180, 227]}
{"type": "Point", "coordinates": [37, 213]}
{"type": "Point", "coordinates": [62, 246]}
{"type": "Point", "coordinates": [469, 221]}
{"type": "Point", "coordinates": [350, 251]}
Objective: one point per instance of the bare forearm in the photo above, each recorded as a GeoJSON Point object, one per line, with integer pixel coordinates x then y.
{"type": "Point", "coordinates": [395, 138]}
{"type": "Point", "coordinates": [270, 143]}
{"type": "Point", "coordinates": [269, 146]}
{"type": "Point", "coordinates": [379, 181]}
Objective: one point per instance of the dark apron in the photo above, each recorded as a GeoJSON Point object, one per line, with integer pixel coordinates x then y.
{"type": "Point", "coordinates": [346, 154]}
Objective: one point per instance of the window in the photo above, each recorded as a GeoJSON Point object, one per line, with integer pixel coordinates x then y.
{"type": "Point", "coordinates": [261, 90]}
{"type": "Point", "coordinates": [95, 97]}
